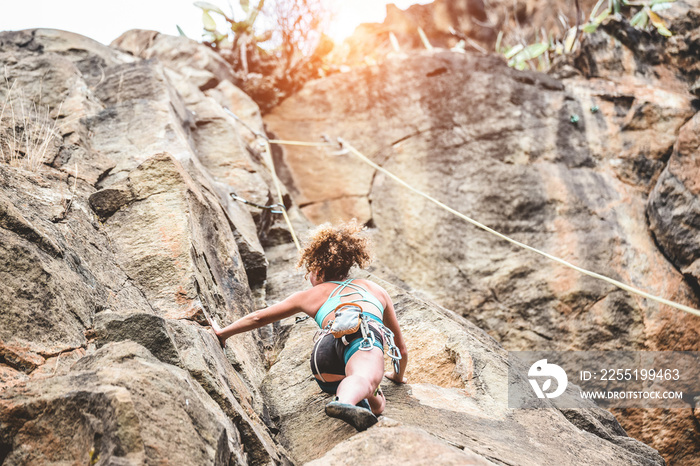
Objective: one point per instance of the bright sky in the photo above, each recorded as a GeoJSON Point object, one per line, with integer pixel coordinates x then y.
{"type": "Point", "coordinates": [104, 20]}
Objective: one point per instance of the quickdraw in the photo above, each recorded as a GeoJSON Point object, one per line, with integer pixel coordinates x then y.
{"type": "Point", "coordinates": [393, 351]}
{"type": "Point", "coordinates": [270, 207]}
{"type": "Point", "coordinates": [367, 336]}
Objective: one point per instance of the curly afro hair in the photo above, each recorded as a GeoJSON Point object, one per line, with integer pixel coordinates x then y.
{"type": "Point", "coordinates": [332, 250]}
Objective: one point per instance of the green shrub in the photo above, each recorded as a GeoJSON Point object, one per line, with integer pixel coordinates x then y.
{"type": "Point", "coordinates": [642, 15]}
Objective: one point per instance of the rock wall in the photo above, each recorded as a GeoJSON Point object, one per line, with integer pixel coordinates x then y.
{"type": "Point", "coordinates": [595, 163]}
{"type": "Point", "coordinates": [507, 154]}
{"type": "Point", "coordinates": [111, 252]}
{"type": "Point", "coordinates": [674, 204]}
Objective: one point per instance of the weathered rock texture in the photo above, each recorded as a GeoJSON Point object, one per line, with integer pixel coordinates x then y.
{"type": "Point", "coordinates": [674, 204]}
{"type": "Point", "coordinates": [113, 250]}
{"type": "Point", "coordinates": [501, 146]}
{"type": "Point", "coordinates": [109, 254]}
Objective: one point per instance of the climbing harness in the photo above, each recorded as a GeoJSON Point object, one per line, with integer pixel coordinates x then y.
{"type": "Point", "coordinates": [349, 318]}
{"type": "Point", "coordinates": [345, 146]}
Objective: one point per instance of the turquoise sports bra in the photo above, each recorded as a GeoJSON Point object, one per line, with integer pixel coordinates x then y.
{"type": "Point", "coordinates": [335, 299]}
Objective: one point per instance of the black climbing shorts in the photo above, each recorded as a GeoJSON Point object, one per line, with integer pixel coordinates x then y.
{"type": "Point", "coordinates": [330, 355]}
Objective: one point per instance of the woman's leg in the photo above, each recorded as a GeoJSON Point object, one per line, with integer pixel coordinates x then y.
{"type": "Point", "coordinates": [364, 372]}
{"type": "Point", "coordinates": [377, 403]}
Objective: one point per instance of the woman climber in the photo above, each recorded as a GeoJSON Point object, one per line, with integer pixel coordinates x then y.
{"type": "Point", "coordinates": [356, 316]}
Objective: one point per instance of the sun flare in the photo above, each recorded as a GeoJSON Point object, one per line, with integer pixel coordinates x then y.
{"type": "Point", "coordinates": [348, 15]}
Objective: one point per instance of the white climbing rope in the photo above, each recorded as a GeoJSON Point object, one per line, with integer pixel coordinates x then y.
{"type": "Point", "coordinates": [365, 159]}
{"type": "Point", "coordinates": [271, 166]}
{"type": "Point", "coordinates": [618, 284]}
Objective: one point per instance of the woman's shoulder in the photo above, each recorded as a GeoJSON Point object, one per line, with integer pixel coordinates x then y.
{"type": "Point", "coordinates": [307, 300]}
{"type": "Point", "coordinates": [372, 287]}
{"type": "Point", "coordinates": [366, 281]}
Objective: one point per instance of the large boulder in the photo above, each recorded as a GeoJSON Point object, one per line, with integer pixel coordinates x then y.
{"type": "Point", "coordinates": [55, 266]}
{"type": "Point", "coordinates": [119, 405]}
{"type": "Point", "coordinates": [617, 49]}
{"type": "Point", "coordinates": [415, 446]}
{"type": "Point", "coordinates": [156, 220]}
{"type": "Point", "coordinates": [674, 204]}
{"type": "Point", "coordinates": [198, 83]}
{"type": "Point", "coordinates": [110, 253]}
{"type": "Point", "coordinates": [89, 56]}
{"type": "Point", "coordinates": [50, 80]}
{"type": "Point", "coordinates": [202, 66]}
{"type": "Point", "coordinates": [67, 292]}
{"type": "Point", "coordinates": [132, 109]}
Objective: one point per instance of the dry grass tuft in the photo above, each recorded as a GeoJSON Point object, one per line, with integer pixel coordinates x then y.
{"type": "Point", "coordinates": [27, 131]}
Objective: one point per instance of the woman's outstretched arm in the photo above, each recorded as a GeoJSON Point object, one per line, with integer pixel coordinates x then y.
{"type": "Point", "coordinates": [287, 308]}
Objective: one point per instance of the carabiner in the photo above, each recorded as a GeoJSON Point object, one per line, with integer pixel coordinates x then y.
{"type": "Point", "coordinates": [367, 343]}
